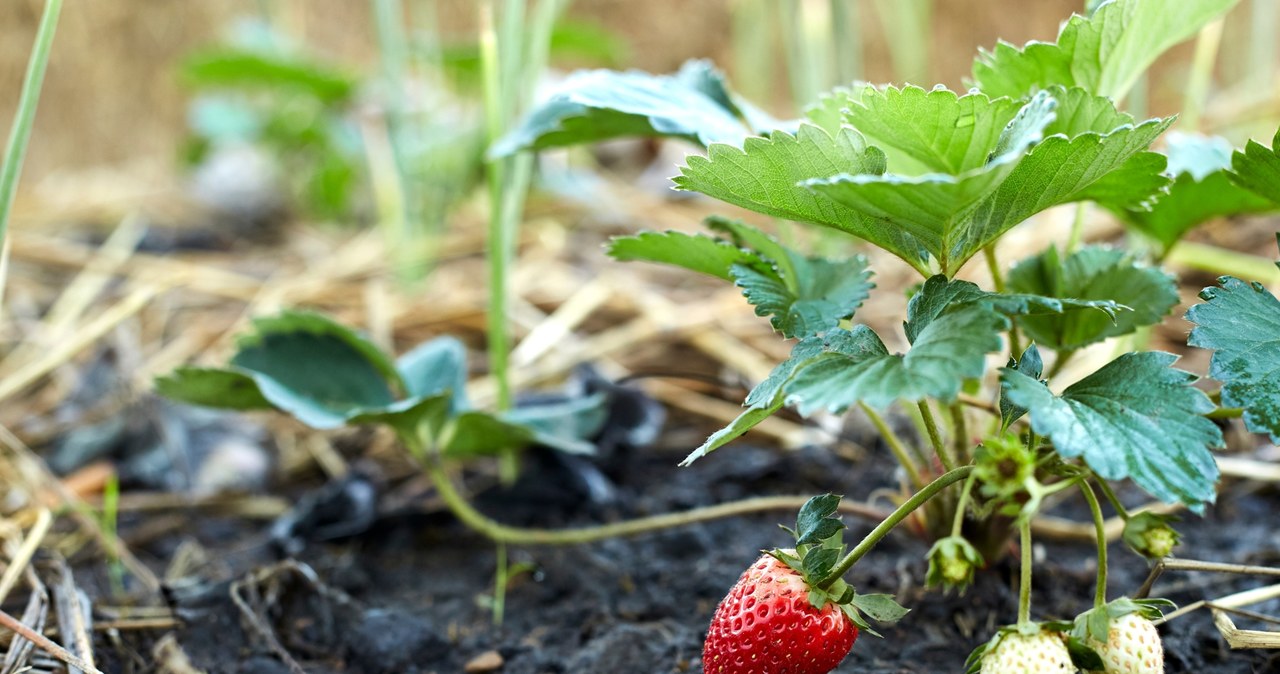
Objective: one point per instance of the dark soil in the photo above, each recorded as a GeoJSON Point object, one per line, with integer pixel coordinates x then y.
{"type": "Point", "coordinates": [413, 593]}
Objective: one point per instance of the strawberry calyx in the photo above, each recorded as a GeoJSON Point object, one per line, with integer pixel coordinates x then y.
{"type": "Point", "coordinates": [818, 549]}
{"type": "Point", "coordinates": [1150, 535]}
{"type": "Point", "coordinates": [952, 563]}
{"type": "Point", "coordinates": [1094, 625]}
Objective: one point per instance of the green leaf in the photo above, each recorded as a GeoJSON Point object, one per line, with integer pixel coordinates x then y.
{"type": "Point", "coordinates": [595, 105]}
{"type": "Point", "coordinates": [1029, 364]}
{"type": "Point", "coordinates": [816, 520]}
{"type": "Point", "coordinates": [1104, 53]}
{"type": "Point", "coordinates": [1240, 323]}
{"type": "Point", "coordinates": [1136, 418]}
{"type": "Point", "coordinates": [212, 387]}
{"type": "Point", "coordinates": [764, 175]}
{"type": "Point", "coordinates": [745, 422]}
{"type": "Point", "coordinates": [1257, 169]}
{"type": "Point", "coordinates": [880, 607]}
{"type": "Point", "coordinates": [1201, 191]}
{"type": "Point", "coordinates": [939, 294]}
{"type": "Point", "coordinates": [696, 252]}
{"type": "Point", "coordinates": [567, 426]}
{"type": "Point", "coordinates": [473, 434]}
{"type": "Point", "coordinates": [819, 562]}
{"type": "Point", "coordinates": [1092, 273]}
{"type": "Point", "coordinates": [955, 216]}
{"type": "Point", "coordinates": [244, 68]}
{"type": "Point", "coordinates": [315, 368]}
{"type": "Point", "coordinates": [856, 367]}
{"type": "Point", "coordinates": [825, 293]}
{"type": "Point", "coordinates": [434, 367]}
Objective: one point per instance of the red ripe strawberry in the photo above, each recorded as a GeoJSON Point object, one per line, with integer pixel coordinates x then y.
{"type": "Point", "coordinates": [766, 625]}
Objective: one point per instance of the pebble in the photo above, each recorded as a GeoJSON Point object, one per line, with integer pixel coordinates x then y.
{"type": "Point", "coordinates": [488, 661]}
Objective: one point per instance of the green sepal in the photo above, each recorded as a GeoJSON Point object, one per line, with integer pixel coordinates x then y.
{"type": "Point", "coordinates": [1150, 535]}
{"type": "Point", "coordinates": [952, 563]}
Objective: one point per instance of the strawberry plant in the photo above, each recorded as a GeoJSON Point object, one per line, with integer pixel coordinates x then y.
{"type": "Point", "coordinates": [935, 178]}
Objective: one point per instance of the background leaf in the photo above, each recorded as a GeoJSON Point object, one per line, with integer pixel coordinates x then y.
{"type": "Point", "coordinates": [1092, 273]}
{"type": "Point", "coordinates": [436, 366]}
{"type": "Point", "coordinates": [696, 252]}
{"type": "Point", "coordinates": [1136, 418]}
{"type": "Point", "coordinates": [594, 105]}
{"type": "Point", "coordinates": [212, 387]}
{"type": "Point", "coordinates": [1104, 53]}
{"type": "Point", "coordinates": [1257, 168]}
{"type": "Point", "coordinates": [825, 292]}
{"type": "Point", "coordinates": [1240, 323]}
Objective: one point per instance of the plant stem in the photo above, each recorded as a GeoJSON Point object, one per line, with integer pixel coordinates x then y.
{"type": "Point", "coordinates": [1220, 262]}
{"type": "Point", "coordinates": [1100, 595]}
{"type": "Point", "coordinates": [958, 522]}
{"type": "Point", "coordinates": [960, 438]}
{"type": "Point", "coordinates": [895, 444]}
{"type": "Point", "coordinates": [1077, 227]}
{"type": "Point", "coordinates": [871, 539]}
{"type": "Point", "coordinates": [1113, 500]}
{"type": "Point", "coordinates": [1226, 413]}
{"type": "Point", "coordinates": [501, 533]}
{"type": "Point", "coordinates": [931, 427]}
{"type": "Point", "coordinates": [1201, 75]}
{"type": "Point", "coordinates": [25, 116]}
{"type": "Point", "coordinates": [500, 586]}
{"type": "Point", "coordinates": [993, 266]}
{"type": "Point", "coordinates": [1024, 578]}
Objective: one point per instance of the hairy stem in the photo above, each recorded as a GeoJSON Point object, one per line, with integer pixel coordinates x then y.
{"type": "Point", "coordinates": [895, 444]}
{"type": "Point", "coordinates": [1077, 227]}
{"type": "Point", "coordinates": [1024, 578]}
{"type": "Point", "coordinates": [871, 539]}
{"type": "Point", "coordinates": [1099, 523]}
{"type": "Point", "coordinates": [958, 522]}
{"type": "Point", "coordinates": [931, 427]}
{"type": "Point", "coordinates": [997, 280]}
{"type": "Point", "coordinates": [960, 438]}
{"type": "Point", "coordinates": [1113, 500]}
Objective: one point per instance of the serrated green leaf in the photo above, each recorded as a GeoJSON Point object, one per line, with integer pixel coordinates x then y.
{"type": "Point", "coordinates": [1201, 191]}
{"type": "Point", "coordinates": [856, 367]}
{"type": "Point", "coordinates": [745, 422]}
{"type": "Point", "coordinates": [825, 293]}
{"type": "Point", "coordinates": [764, 175]}
{"type": "Point", "coordinates": [1257, 169]}
{"type": "Point", "coordinates": [939, 294]}
{"type": "Point", "coordinates": [751, 238]}
{"type": "Point", "coordinates": [1136, 418]}
{"type": "Point", "coordinates": [1103, 53]}
{"type": "Point", "coordinates": [942, 131]}
{"type": "Point", "coordinates": [1092, 273]}
{"type": "Point", "coordinates": [212, 387]}
{"type": "Point", "coordinates": [815, 522]}
{"type": "Point", "coordinates": [1240, 323]}
{"type": "Point", "coordinates": [1030, 364]}
{"type": "Point", "coordinates": [434, 367]}
{"type": "Point", "coordinates": [955, 216]}
{"type": "Point", "coordinates": [880, 607]}
{"type": "Point", "coordinates": [596, 105]}
{"type": "Point", "coordinates": [819, 562]}
{"type": "Point", "coordinates": [695, 252]}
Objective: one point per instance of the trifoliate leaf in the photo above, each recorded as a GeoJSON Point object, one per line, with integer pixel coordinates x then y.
{"type": "Point", "coordinates": [1257, 169]}
{"type": "Point", "coordinates": [1201, 191]}
{"type": "Point", "coordinates": [1092, 273]}
{"type": "Point", "coordinates": [764, 175]}
{"type": "Point", "coordinates": [696, 252]}
{"type": "Point", "coordinates": [955, 216]}
{"type": "Point", "coordinates": [1030, 364]}
{"type": "Point", "coordinates": [1240, 323]}
{"type": "Point", "coordinates": [1103, 53]}
{"type": "Point", "coordinates": [436, 366]}
{"type": "Point", "coordinates": [825, 292]}
{"type": "Point", "coordinates": [596, 105]}
{"type": "Point", "coordinates": [938, 294]}
{"type": "Point", "coordinates": [856, 367]}
{"type": "Point", "coordinates": [1137, 418]}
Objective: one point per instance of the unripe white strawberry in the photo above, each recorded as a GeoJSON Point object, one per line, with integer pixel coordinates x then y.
{"type": "Point", "coordinates": [1043, 653]}
{"type": "Point", "coordinates": [1133, 647]}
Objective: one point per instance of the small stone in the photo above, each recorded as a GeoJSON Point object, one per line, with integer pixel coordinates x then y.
{"type": "Point", "coordinates": [488, 661]}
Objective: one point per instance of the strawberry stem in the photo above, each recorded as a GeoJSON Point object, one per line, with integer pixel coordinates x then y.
{"type": "Point", "coordinates": [1114, 500]}
{"type": "Point", "coordinates": [1100, 596]}
{"type": "Point", "coordinates": [896, 445]}
{"type": "Point", "coordinates": [958, 522]}
{"type": "Point", "coordinates": [871, 539]}
{"type": "Point", "coordinates": [501, 533]}
{"type": "Point", "coordinates": [1024, 580]}
{"type": "Point", "coordinates": [931, 426]}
